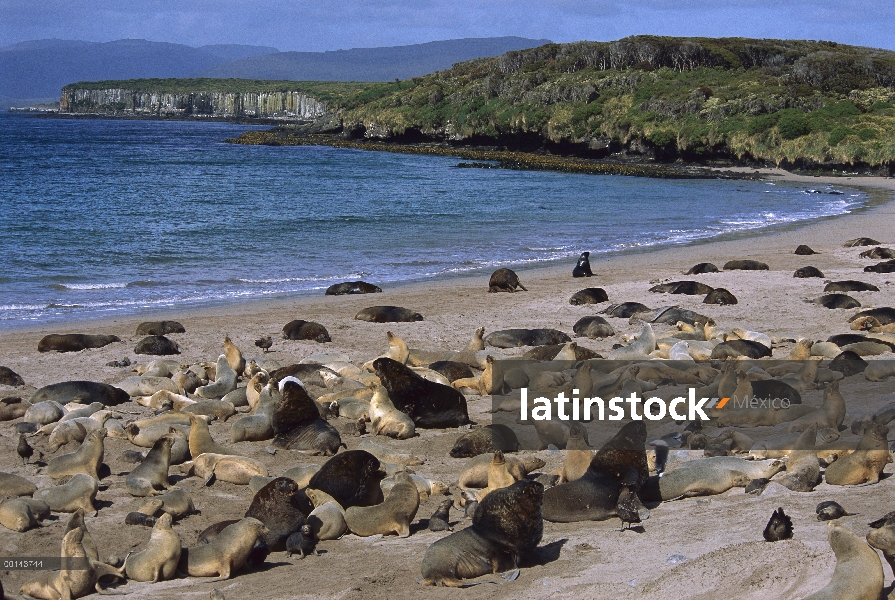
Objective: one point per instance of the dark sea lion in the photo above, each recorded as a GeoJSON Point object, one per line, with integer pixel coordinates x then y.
{"type": "Point", "coordinates": [514, 338]}
{"type": "Point", "coordinates": [10, 377]}
{"type": "Point", "coordinates": [305, 330]}
{"type": "Point", "coordinates": [673, 314]}
{"type": "Point", "coordinates": [452, 370]}
{"type": "Point", "coordinates": [308, 373]}
{"type": "Point", "coordinates": [506, 526]}
{"type": "Point", "coordinates": [485, 439]}
{"type": "Point", "coordinates": [582, 268]}
{"type": "Point", "coordinates": [429, 404]}
{"type": "Point", "coordinates": [615, 475]}
{"type": "Point", "coordinates": [745, 265]}
{"type": "Point", "coordinates": [504, 280]}
{"type": "Point", "coordinates": [351, 478]}
{"type": "Point", "coordinates": [803, 250]}
{"type": "Point", "coordinates": [806, 272]}
{"type": "Point", "coordinates": [352, 287]}
{"type": "Point", "coordinates": [738, 348]}
{"type": "Point", "coordinates": [301, 542]}
{"type": "Point", "coordinates": [589, 296]}
{"type": "Point", "coordinates": [830, 510]}
{"type": "Point", "coordinates": [720, 296]}
{"type": "Point", "coordinates": [844, 339]}
{"type": "Point", "coordinates": [297, 423]}
{"type": "Point", "coordinates": [689, 288]}
{"type": "Point", "coordinates": [884, 315]}
{"type": "Point", "coordinates": [593, 328]}
{"type": "Point", "coordinates": [550, 351]}
{"type": "Point", "coordinates": [388, 314]}
{"type": "Point", "coordinates": [861, 241]}
{"type": "Point", "coordinates": [883, 267]}
{"type": "Point", "coordinates": [848, 363]}
{"type": "Point", "coordinates": [774, 388]}
{"type": "Point", "coordinates": [282, 509]}
{"type": "Point", "coordinates": [850, 285]}
{"type": "Point", "coordinates": [779, 527]}
{"type": "Point", "coordinates": [74, 342]}
{"type": "Point", "coordinates": [626, 310]}
{"type": "Point", "coordinates": [879, 253]}
{"type": "Point", "coordinates": [701, 268]}
{"type": "Point", "coordinates": [834, 301]}
{"type": "Point", "coordinates": [157, 345]}
{"type": "Point", "coordinates": [441, 518]}
{"type": "Point", "coordinates": [159, 328]}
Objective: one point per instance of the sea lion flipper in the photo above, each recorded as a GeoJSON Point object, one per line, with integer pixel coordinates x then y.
{"type": "Point", "coordinates": [210, 479]}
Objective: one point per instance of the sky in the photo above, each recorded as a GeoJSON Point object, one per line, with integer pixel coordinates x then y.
{"type": "Point", "coordinates": [321, 25]}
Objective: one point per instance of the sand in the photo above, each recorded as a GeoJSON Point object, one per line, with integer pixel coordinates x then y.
{"type": "Point", "coordinates": [693, 548]}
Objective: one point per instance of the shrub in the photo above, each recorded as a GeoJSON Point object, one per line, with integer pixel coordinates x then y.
{"type": "Point", "coordinates": [867, 134]}
{"type": "Point", "coordinates": [792, 126]}
{"type": "Point", "coordinates": [838, 134]}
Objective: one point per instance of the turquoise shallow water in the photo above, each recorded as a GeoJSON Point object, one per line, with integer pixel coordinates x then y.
{"type": "Point", "coordinates": [108, 217]}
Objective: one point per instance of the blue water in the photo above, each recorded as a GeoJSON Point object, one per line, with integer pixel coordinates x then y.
{"type": "Point", "coordinates": [108, 217]}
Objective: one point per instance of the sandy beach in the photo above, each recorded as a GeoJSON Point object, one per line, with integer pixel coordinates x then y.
{"type": "Point", "coordinates": [690, 548]}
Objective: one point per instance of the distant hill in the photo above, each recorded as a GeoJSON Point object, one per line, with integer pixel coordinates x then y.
{"type": "Point", "coordinates": [36, 70]}
{"type": "Point", "coordinates": [369, 64]}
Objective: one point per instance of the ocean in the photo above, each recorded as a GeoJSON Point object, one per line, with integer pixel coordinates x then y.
{"type": "Point", "coordinates": [112, 217]}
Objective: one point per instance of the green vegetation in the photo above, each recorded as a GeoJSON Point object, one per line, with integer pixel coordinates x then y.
{"type": "Point", "coordinates": [781, 101]}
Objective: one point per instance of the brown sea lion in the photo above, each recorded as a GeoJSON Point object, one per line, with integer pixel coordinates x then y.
{"type": "Point", "coordinates": [803, 250]}
{"type": "Point", "coordinates": [582, 267]}
{"type": "Point", "coordinates": [388, 314]}
{"type": "Point", "coordinates": [883, 267]}
{"type": "Point", "coordinates": [745, 265]}
{"type": "Point", "coordinates": [807, 272]}
{"type": "Point", "coordinates": [514, 338]}
{"type": "Point", "coordinates": [305, 330]}
{"type": "Point", "coordinates": [866, 463]}
{"type": "Point", "coordinates": [880, 252]}
{"type": "Point", "coordinates": [593, 328]}
{"type": "Point", "coordinates": [86, 459]}
{"type": "Point", "coordinates": [689, 288]}
{"type": "Point", "coordinates": [429, 404]}
{"type": "Point", "coordinates": [720, 296]}
{"type": "Point", "coordinates": [452, 370]}
{"type": "Point", "coordinates": [836, 301]}
{"type": "Point", "coordinates": [589, 296]}
{"type": "Point", "coordinates": [158, 561]}
{"type": "Point", "coordinates": [82, 392]}
{"type": "Point", "coordinates": [79, 492]}
{"type": "Point", "coordinates": [159, 328]}
{"type": "Point", "coordinates": [393, 515]}
{"type": "Point", "coordinates": [151, 476]}
{"type": "Point", "coordinates": [297, 424]}
{"type": "Point", "coordinates": [504, 280]}
{"type": "Point", "coordinates": [74, 342]}
{"type": "Point", "coordinates": [860, 241]}
{"type": "Point", "coordinates": [701, 268]}
{"type": "Point", "coordinates": [858, 574]}
{"type": "Point", "coordinates": [850, 285]}
{"type": "Point", "coordinates": [352, 287]}
{"type": "Point", "coordinates": [282, 508]}
{"type": "Point", "coordinates": [351, 478]}
{"type": "Point", "coordinates": [157, 345]}
{"type": "Point", "coordinates": [10, 377]}
{"type": "Point", "coordinates": [226, 554]}
{"type": "Point", "coordinates": [485, 440]}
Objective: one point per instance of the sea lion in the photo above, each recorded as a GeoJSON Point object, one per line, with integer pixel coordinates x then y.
{"type": "Point", "coordinates": [589, 296]}
{"type": "Point", "coordinates": [440, 519]}
{"type": "Point", "coordinates": [551, 352]}
{"type": "Point", "coordinates": [143, 385]}
{"type": "Point", "coordinates": [394, 515]}
{"type": "Point", "coordinates": [720, 296]}
{"type": "Point", "coordinates": [16, 514]}
{"type": "Point", "coordinates": [82, 392]}
{"type": "Point", "coordinates": [12, 409]}
{"type": "Point", "coordinates": [708, 476]}
{"type": "Point", "coordinates": [701, 268]}
{"type": "Point", "coordinates": [218, 409]}
{"type": "Point", "coordinates": [388, 314]}
{"type": "Point", "coordinates": [803, 250]}
{"type": "Point", "coordinates": [44, 413]}
{"type": "Point", "coordinates": [639, 348]}
{"type": "Point", "coordinates": [234, 356]}
{"type": "Point", "coordinates": [504, 280]}
{"type": "Point", "coordinates": [226, 554]}
{"type": "Point", "coordinates": [802, 468]}
{"type": "Point", "coordinates": [213, 467]}
{"type": "Point", "coordinates": [593, 327]}
{"type": "Point", "coordinates": [224, 382]}
{"type": "Point", "coordinates": [175, 502]}
{"type": "Point", "coordinates": [807, 272]}
{"type": "Point", "coordinates": [884, 315]}
{"type": "Point", "coordinates": [151, 476]}
{"type": "Point", "coordinates": [830, 414]}
{"type": "Point", "coordinates": [778, 528]}
{"type": "Point", "coordinates": [301, 542]}
{"type": "Point", "coordinates": [306, 330]}
{"type": "Point", "coordinates": [883, 267]}
{"type": "Point", "coordinates": [850, 285]}
{"type": "Point", "coordinates": [429, 404]}
{"type": "Point", "coordinates": [79, 492]}
{"type": "Point", "coordinates": [86, 459]}
{"type": "Point", "coordinates": [833, 301]}
{"type": "Point", "coordinates": [159, 328]}
{"type": "Point", "coordinates": [352, 287]}
{"type": "Point", "coordinates": [200, 439]}
{"type": "Point", "coordinates": [475, 471]}
{"type": "Point", "coordinates": [883, 538]}
{"type": "Point", "coordinates": [327, 520]}
{"type": "Point", "coordinates": [74, 342]}
{"type": "Point", "coordinates": [76, 521]}
{"type": "Point", "coordinates": [498, 476]}
{"type": "Point", "coordinates": [689, 288]}
{"type": "Point", "coordinates": [860, 241]}
{"type": "Point", "coordinates": [387, 420]}
{"type": "Point", "coordinates": [257, 425]}
{"type": "Point", "coordinates": [745, 265]}
{"type": "Point", "coordinates": [582, 267]}
{"type": "Point", "coordinates": [866, 463]}
{"type": "Point", "coordinates": [858, 574]}
{"type": "Point", "coordinates": [736, 348]}
{"type": "Point", "coordinates": [10, 377]}
{"type": "Point", "coordinates": [14, 485]}
{"type": "Point", "coordinates": [297, 424]}
{"type": "Point", "coordinates": [513, 338]}
{"type": "Point", "coordinates": [506, 526]}
{"type": "Point", "coordinates": [351, 478]}
{"type": "Point", "coordinates": [578, 456]}
{"type": "Point", "coordinates": [672, 315]}
{"type": "Point", "coordinates": [452, 370]}
{"type": "Point", "coordinates": [485, 440]}
{"type": "Point", "coordinates": [282, 509]}
{"type": "Point", "coordinates": [157, 345]}
{"type": "Point", "coordinates": [879, 252]}
{"type": "Point", "coordinates": [388, 455]}
{"type": "Point", "coordinates": [158, 561]}
{"type": "Point", "coordinates": [830, 510]}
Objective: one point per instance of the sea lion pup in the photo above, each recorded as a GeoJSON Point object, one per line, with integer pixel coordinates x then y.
{"type": "Point", "coordinates": [159, 328]}
{"type": "Point", "coordinates": [593, 328]}
{"type": "Point", "coordinates": [74, 342]}
{"type": "Point", "coordinates": [807, 272]}
{"type": "Point", "coordinates": [830, 414]}
{"type": "Point", "coordinates": [833, 301]}
{"type": "Point", "coordinates": [297, 423]}
{"type": "Point", "coordinates": [394, 515]}
{"type": "Point", "coordinates": [720, 296]}
{"type": "Point", "coordinates": [701, 268]}
{"type": "Point", "coordinates": [582, 267]}
{"type": "Point", "coordinates": [745, 265]}
{"type": "Point", "coordinates": [614, 476]}
{"type": "Point", "coordinates": [388, 314]}
{"type": "Point", "coordinates": [151, 476]}
{"type": "Point", "coordinates": [778, 528]}
{"type": "Point", "coordinates": [498, 476]}
{"type": "Point", "coordinates": [830, 510]}
{"type": "Point", "coordinates": [429, 404]}
{"type": "Point", "coordinates": [441, 518]}
{"type": "Point", "coordinates": [82, 392]}
{"type": "Point", "coordinates": [802, 468]}
{"type": "Point", "coordinates": [504, 280]}
{"type": "Point", "coordinates": [86, 459]}
{"type": "Point", "coordinates": [858, 574]}
{"type": "Point", "coordinates": [282, 509]}
{"type": "Point", "coordinates": [707, 477]}
{"type": "Point", "coordinates": [589, 296]}
{"type": "Point", "coordinates": [639, 348]}
{"type": "Point", "coordinates": [506, 526]}
{"type": "Point", "coordinates": [224, 383]}
{"type": "Point", "coordinates": [176, 502]}
{"type": "Point", "coordinates": [485, 439]}
{"type": "Point", "coordinates": [79, 492]}
{"type": "Point", "coordinates": [351, 478]}
{"type": "Point", "coordinates": [475, 471]}
{"type": "Point", "coordinates": [157, 345]}
{"type": "Point", "coordinates": [226, 554]}
{"type": "Point", "coordinates": [884, 315]}
{"type": "Point", "coordinates": [200, 439]}
{"type": "Point", "coordinates": [872, 325]}
{"type": "Point", "coordinates": [158, 561]}
{"type": "Point", "coordinates": [352, 287]}
{"type": "Point", "coordinates": [327, 520]}
{"type": "Point", "coordinates": [233, 469]}
{"type": "Point", "coordinates": [387, 420]}
{"type": "Point", "coordinates": [578, 456]}
{"type": "Point", "coordinates": [866, 463]}
{"type": "Point", "coordinates": [80, 575]}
